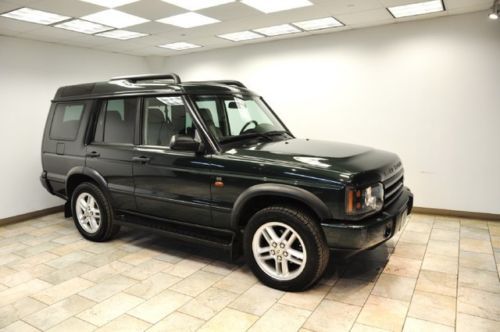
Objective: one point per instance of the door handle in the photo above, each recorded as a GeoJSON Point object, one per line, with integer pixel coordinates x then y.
{"type": "Point", "coordinates": [141, 159]}
{"type": "Point", "coordinates": [93, 154]}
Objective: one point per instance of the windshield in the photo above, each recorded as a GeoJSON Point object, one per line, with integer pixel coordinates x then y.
{"type": "Point", "coordinates": [230, 118]}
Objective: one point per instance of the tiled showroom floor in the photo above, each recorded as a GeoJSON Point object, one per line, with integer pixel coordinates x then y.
{"type": "Point", "coordinates": [442, 273]}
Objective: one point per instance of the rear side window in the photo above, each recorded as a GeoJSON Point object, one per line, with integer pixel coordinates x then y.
{"type": "Point", "coordinates": [66, 121]}
{"type": "Point", "coordinates": [116, 121]}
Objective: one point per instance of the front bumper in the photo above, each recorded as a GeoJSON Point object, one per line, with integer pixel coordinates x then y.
{"type": "Point", "coordinates": [372, 231]}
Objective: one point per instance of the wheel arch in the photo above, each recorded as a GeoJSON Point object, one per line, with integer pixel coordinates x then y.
{"type": "Point", "coordinates": [262, 195]}
{"type": "Point", "coordinates": [81, 174]}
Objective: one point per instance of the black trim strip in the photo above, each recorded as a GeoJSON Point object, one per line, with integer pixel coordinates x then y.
{"type": "Point", "coordinates": [172, 200]}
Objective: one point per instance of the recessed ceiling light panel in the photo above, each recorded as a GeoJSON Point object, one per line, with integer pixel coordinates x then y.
{"type": "Point", "coordinates": [277, 30]}
{"type": "Point", "coordinates": [179, 46]}
{"type": "Point", "coordinates": [110, 3]}
{"type": "Point", "coordinates": [122, 34]}
{"type": "Point", "coordinates": [115, 18]}
{"type": "Point", "coordinates": [83, 26]}
{"type": "Point", "coordinates": [271, 6]}
{"type": "Point", "coordinates": [197, 4]}
{"type": "Point", "coordinates": [418, 8]}
{"type": "Point", "coordinates": [317, 24]}
{"type": "Point", "coordinates": [240, 36]}
{"type": "Point", "coordinates": [188, 20]}
{"type": "Point", "coordinates": [35, 16]}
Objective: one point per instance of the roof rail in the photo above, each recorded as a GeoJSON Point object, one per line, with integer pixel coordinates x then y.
{"type": "Point", "coordinates": [225, 82]}
{"type": "Point", "coordinates": [149, 77]}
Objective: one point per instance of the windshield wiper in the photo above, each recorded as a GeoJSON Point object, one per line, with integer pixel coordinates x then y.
{"type": "Point", "coordinates": [272, 133]}
{"type": "Point", "coordinates": [268, 135]}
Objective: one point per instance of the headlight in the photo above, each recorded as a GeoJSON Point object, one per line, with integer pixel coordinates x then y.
{"type": "Point", "coordinates": [362, 201]}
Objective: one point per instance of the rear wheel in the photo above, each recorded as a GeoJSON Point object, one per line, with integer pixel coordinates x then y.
{"type": "Point", "coordinates": [92, 213]}
{"type": "Point", "coordinates": [285, 248]}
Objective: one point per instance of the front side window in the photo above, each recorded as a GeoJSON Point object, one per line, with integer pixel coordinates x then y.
{"type": "Point", "coordinates": [116, 121]}
{"type": "Point", "coordinates": [165, 117]}
{"type": "Point", "coordinates": [66, 121]}
{"type": "Point", "coordinates": [229, 118]}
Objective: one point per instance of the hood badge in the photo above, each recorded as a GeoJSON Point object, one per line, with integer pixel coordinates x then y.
{"type": "Point", "coordinates": [393, 168]}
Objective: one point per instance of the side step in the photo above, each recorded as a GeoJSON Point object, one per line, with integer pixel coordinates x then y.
{"type": "Point", "coordinates": [205, 236]}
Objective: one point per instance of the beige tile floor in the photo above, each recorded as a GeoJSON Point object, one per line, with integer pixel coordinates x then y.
{"type": "Point", "coordinates": [438, 274]}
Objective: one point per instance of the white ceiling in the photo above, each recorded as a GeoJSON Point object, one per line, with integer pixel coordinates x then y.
{"type": "Point", "coordinates": [233, 16]}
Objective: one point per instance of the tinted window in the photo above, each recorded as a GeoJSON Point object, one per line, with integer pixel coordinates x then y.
{"type": "Point", "coordinates": [66, 121]}
{"type": "Point", "coordinates": [116, 121]}
{"type": "Point", "coordinates": [165, 117]}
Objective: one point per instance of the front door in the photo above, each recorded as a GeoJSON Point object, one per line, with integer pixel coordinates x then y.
{"type": "Point", "coordinates": [111, 150]}
{"type": "Point", "coordinates": [170, 184]}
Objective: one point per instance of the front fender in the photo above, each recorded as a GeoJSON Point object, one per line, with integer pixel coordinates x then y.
{"type": "Point", "coordinates": [279, 190]}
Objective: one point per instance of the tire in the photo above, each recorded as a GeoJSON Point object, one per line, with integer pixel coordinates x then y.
{"type": "Point", "coordinates": [295, 234]}
{"type": "Point", "coordinates": [95, 222]}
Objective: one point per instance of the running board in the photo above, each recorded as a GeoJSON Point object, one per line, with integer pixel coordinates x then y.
{"type": "Point", "coordinates": [206, 236]}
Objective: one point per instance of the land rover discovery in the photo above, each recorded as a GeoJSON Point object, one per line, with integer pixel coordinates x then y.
{"type": "Point", "coordinates": [210, 163]}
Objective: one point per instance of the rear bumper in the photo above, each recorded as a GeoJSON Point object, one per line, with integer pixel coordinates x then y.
{"type": "Point", "coordinates": [369, 232]}
{"type": "Point", "coordinates": [45, 181]}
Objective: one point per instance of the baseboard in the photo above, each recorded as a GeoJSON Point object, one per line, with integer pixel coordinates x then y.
{"type": "Point", "coordinates": [457, 214]}
{"type": "Point", "coordinates": [31, 215]}
{"type": "Point", "coordinates": [416, 209]}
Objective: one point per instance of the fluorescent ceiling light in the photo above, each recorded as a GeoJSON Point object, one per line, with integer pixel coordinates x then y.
{"type": "Point", "coordinates": [122, 34]}
{"type": "Point", "coordinates": [417, 8]}
{"type": "Point", "coordinates": [320, 23]}
{"type": "Point", "coordinates": [240, 36]}
{"type": "Point", "coordinates": [188, 20]}
{"type": "Point", "coordinates": [110, 3]}
{"type": "Point", "coordinates": [115, 18]}
{"type": "Point", "coordinates": [35, 16]}
{"type": "Point", "coordinates": [83, 26]}
{"type": "Point", "coordinates": [271, 6]}
{"type": "Point", "coordinates": [277, 30]}
{"type": "Point", "coordinates": [197, 4]}
{"type": "Point", "coordinates": [179, 46]}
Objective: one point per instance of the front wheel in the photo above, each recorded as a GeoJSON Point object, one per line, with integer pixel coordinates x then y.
{"type": "Point", "coordinates": [285, 248]}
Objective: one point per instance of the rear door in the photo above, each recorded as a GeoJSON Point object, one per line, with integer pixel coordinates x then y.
{"type": "Point", "coordinates": [170, 184]}
{"type": "Point", "coordinates": [112, 146]}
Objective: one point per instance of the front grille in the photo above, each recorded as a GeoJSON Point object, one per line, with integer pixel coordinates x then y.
{"type": "Point", "coordinates": [393, 186]}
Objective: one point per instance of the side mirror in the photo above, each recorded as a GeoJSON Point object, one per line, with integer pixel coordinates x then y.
{"type": "Point", "coordinates": [184, 143]}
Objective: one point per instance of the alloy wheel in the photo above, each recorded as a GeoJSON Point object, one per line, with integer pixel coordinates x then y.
{"type": "Point", "coordinates": [88, 212]}
{"type": "Point", "coordinates": [279, 251]}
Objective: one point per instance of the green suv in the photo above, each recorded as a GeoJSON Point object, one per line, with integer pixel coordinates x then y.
{"type": "Point", "coordinates": [210, 163]}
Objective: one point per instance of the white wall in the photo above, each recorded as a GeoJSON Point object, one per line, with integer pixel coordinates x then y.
{"type": "Point", "coordinates": [427, 90]}
{"type": "Point", "coordinates": [30, 73]}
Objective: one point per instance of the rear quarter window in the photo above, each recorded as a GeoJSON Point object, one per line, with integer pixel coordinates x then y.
{"type": "Point", "coordinates": [66, 121]}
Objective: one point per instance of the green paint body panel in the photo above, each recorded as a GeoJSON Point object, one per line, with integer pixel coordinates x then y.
{"type": "Point", "coordinates": [177, 187]}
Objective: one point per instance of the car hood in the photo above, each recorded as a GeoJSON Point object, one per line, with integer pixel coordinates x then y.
{"type": "Point", "coordinates": [346, 162]}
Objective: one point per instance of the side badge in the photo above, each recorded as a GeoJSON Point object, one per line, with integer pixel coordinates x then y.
{"type": "Point", "coordinates": [218, 182]}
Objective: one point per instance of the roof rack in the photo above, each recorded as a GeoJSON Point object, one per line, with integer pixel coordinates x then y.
{"type": "Point", "coordinates": [149, 77]}
{"type": "Point", "coordinates": [225, 82]}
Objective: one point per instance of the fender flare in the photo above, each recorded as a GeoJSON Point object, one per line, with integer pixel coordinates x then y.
{"type": "Point", "coordinates": [280, 190]}
{"type": "Point", "coordinates": [91, 173]}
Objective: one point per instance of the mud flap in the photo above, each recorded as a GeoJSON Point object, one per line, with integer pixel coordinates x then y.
{"type": "Point", "coordinates": [67, 209]}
